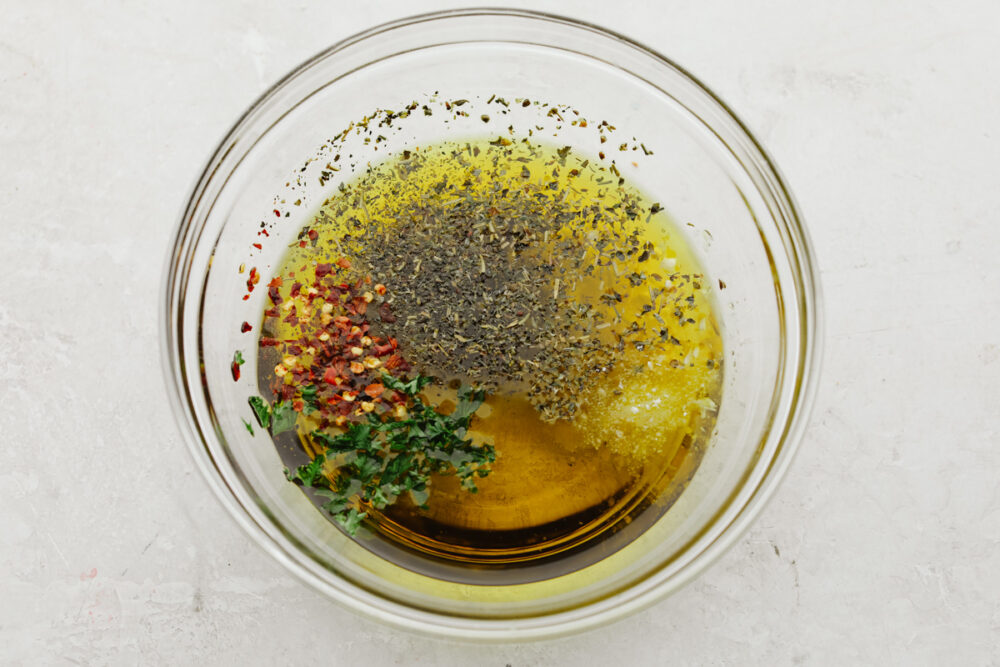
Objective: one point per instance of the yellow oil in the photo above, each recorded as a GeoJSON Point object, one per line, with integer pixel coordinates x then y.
{"type": "Point", "coordinates": [563, 493]}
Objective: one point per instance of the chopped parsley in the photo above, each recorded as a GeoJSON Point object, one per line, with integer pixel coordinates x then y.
{"type": "Point", "coordinates": [373, 463]}
{"type": "Point", "coordinates": [309, 399]}
{"type": "Point", "coordinates": [282, 417]}
{"type": "Point", "coordinates": [279, 418]}
{"type": "Point", "coordinates": [261, 410]}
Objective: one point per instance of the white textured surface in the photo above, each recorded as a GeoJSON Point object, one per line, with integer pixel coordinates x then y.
{"type": "Point", "coordinates": [882, 547]}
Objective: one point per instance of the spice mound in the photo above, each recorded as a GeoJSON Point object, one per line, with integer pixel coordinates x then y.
{"type": "Point", "coordinates": [509, 267]}
{"type": "Point", "coordinates": [331, 363]}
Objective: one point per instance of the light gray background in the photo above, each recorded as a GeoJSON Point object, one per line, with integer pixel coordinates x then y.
{"type": "Point", "coordinates": [883, 546]}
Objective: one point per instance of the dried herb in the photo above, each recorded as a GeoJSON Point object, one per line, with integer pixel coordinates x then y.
{"type": "Point", "coordinates": [485, 272]}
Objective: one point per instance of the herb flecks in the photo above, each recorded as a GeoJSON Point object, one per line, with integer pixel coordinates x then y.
{"type": "Point", "coordinates": [500, 272]}
{"type": "Point", "coordinates": [371, 464]}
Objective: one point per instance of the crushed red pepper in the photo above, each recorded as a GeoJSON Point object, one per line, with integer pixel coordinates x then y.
{"type": "Point", "coordinates": [235, 367]}
{"type": "Point", "coordinates": [334, 367]}
{"type": "Point", "coordinates": [252, 281]}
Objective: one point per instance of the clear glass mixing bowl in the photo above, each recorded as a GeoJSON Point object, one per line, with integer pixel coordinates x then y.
{"type": "Point", "coordinates": [707, 170]}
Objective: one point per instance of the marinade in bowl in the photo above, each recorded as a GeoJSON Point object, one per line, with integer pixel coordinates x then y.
{"type": "Point", "coordinates": [533, 276]}
{"type": "Point", "coordinates": [491, 324]}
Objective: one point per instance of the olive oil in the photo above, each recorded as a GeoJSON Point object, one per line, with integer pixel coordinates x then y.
{"type": "Point", "coordinates": [570, 297]}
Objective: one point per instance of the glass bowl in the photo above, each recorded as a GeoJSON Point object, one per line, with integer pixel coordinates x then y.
{"type": "Point", "coordinates": [707, 170]}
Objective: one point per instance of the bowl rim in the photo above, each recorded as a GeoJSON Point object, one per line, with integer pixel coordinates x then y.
{"type": "Point", "coordinates": [801, 259]}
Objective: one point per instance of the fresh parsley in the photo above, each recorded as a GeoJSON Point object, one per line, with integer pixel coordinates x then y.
{"type": "Point", "coordinates": [283, 417]}
{"type": "Point", "coordinates": [308, 393]}
{"type": "Point", "coordinates": [373, 463]}
{"type": "Point", "coordinates": [261, 410]}
{"type": "Point", "coordinates": [280, 418]}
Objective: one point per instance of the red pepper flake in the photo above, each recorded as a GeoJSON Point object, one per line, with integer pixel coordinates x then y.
{"type": "Point", "coordinates": [275, 282]}
{"type": "Point", "coordinates": [258, 246]}
{"type": "Point", "coordinates": [313, 235]}
{"type": "Point", "coordinates": [246, 297]}
{"type": "Point", "coordinates": [245, 327]}
{"type": "Point", "coordinates": [336, 370]}
{"type": "Point", "coordinates": [302, 244]}
{"type": "Point", "coordinates": [385, 313]}
{"type": "Point", "coordinates": [236, 371]}
{"type": "Point", "coordinates": [277, 213]}
{"type": "Point", "coordinates": [264, 232]}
